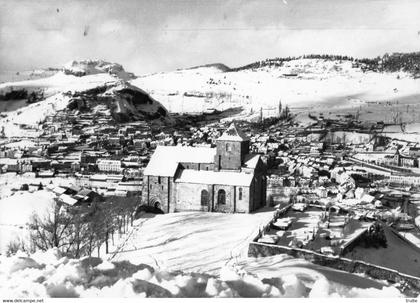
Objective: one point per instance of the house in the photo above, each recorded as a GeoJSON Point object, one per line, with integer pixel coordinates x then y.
{"type": "Point", "coordinates": [109, 165]}
{"type": "Point", "coordinates": [223, 179]}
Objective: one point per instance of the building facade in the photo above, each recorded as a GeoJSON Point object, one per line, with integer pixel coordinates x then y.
{"type": "Point", "coordinates": [222, 179]}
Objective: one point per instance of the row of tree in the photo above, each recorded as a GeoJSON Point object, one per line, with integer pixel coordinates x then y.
{"type": "Point", "coordinates": [407, 62]}
{"type": "Point", "coordinates": [78, 231]}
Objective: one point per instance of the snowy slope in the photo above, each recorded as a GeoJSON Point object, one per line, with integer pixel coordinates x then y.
{"type": "Point", "coordinates": [317, 83]}
{"type": "Point", "coordinates": [48, 275]}
{"type": "Point", "coordinates": [191, 241]}
{"type": "Point", "coordinates": [104, 85]}
{"type": "Point", "coordinates": [15, 213]}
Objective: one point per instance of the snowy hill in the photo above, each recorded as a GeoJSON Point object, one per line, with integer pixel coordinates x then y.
{"type": "Point", "coordinates": [49, 275]}
{"type": "Point", "coordinates": [214, 66]}
{"type": "Point", "coordinates": [321, 84]}
{"type": "Point", "coordinates": [96, 83]}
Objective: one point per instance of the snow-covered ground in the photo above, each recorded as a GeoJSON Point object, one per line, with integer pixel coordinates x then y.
{"type": "Point", "coordinates": [193, 241]}
{"type": "Point", "coordinates": [16, 208]}
{"type": "Point", "coordinates": [48, 275]}
{"type": "Point", "coordinates": [321, 85]}
{"type": "Point", "coordinates": [15, 213]}
{"type": "Point", "coordinates": [322, 281]}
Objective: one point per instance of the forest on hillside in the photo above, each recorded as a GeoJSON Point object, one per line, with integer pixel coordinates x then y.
{"type": "Point", "coordinates": [406, 62]}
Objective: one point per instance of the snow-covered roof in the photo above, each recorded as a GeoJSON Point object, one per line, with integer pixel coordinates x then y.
{"type": "Point", "coordinates": [68, 200]}
{"type": "Point", "coordinates": [212, 177]}
{"type": "Point", "coordinates": [165, 159]}
{"type": "Point", "coordinates": [233, 134]}
{"type": "Point", "coordinates": [59, 190]}
{"type": "Point", "coordinates": [251, 160]}
{"type": "Point", "coordinates": [8, 161]}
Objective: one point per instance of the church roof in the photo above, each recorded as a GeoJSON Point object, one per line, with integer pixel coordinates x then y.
{"type": "Point", "coordinates": [212, 177]}
{"type": "Point", "coordinates": [165, 159]}
{"type": "Point", "coordinates": [233, 133]}
{"type": "Point", "coordinates": [251, 160]}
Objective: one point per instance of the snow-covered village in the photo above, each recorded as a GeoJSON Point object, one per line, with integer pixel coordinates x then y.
{"type": "Point", "coordinates": [292, 176]}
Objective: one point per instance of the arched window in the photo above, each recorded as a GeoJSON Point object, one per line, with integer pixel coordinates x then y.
{"type": "Point", "coordinates": [228, 147]}
{"type": "Point", "coordinates": [240, 193]}
{"type": "Point", "coordinates": [204, 197]}
{"type": "Point", "coordinates": [221, 197]}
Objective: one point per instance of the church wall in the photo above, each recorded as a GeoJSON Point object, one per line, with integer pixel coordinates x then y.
{"type": "Point", "coordinates": [189, 165]}
{"type": "Point", "coordinates": [242, 206]}
{"type": "Point", "coordinates": [206, 166]}
{"type": "Point", "coordinates": [230, 157]}
{"type": "Point", "coordinates": [244, 149]}
{"type": "Point", "coordinates": [258, 198]}
{"type": "Point", "coordinates": [188, 197]}
{"type": "Point", "coordinates": [157, 190]}
{"type": "Point", "coordinates": [230, 195]}
{"type": "Point", "coordinates": [197, 166]}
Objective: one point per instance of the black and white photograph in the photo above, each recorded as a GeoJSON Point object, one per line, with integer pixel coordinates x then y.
{"type": "Point", "coordinates": [209, 149]}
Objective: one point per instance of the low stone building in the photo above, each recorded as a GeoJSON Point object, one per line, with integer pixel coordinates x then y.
{"type": "Point", "coordinates": [222, 179]}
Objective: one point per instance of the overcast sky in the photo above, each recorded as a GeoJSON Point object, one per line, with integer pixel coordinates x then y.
{"type": "Point", "coordinates": [159, 35]}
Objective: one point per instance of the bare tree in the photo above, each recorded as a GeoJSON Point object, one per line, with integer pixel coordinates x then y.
{"type": "Point", "coordinates": [51, 230]}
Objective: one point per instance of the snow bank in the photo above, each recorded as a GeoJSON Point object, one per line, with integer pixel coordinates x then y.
{"type": "Point", "coordinates": [49, 275]}
{"type": "Point", "coordinates": [319, 281]}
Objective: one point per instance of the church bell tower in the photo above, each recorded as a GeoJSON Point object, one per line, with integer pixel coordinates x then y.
{"type": "Point", "coordinates": [231, 147]}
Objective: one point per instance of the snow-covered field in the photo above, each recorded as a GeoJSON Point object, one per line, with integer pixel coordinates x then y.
{"type": "Point", "coordinates": [48, 275]}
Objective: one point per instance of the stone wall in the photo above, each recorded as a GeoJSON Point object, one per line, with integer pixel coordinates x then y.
{"type": "Point", "coordinates": [348, 265]}
{"type": "Point", "coordinates": [188, 197]}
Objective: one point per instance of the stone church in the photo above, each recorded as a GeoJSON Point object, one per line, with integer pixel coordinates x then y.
{"type": "Point", "coordinates": [222, 179]}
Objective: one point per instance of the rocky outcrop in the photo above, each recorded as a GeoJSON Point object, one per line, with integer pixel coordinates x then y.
{"type": "Point", "coordinates": [91, 67]}
{"type": "Point", "coordinates": [125, 102]}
